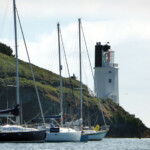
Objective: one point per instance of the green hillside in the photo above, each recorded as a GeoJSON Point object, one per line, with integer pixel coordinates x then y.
{"type": "Point", "coordinates": [122, 124]}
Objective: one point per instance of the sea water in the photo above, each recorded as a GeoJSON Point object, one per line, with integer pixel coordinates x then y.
{"type": "Point", "coordinates": [105, 144]}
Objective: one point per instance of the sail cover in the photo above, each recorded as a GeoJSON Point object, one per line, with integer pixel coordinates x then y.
{"type": "Point", "coordinates": [52, 117]}
{"type": "Point", "coordinates": [13, 111]}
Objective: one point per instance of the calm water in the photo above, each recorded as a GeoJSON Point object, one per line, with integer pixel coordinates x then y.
{"type": "Point", "coordinates": [106, 144]}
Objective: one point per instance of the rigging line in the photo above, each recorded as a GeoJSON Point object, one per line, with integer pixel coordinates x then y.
{"type": "Point", "coordinates": [30, 67]}
{"type": "Point", "coordinates": [10, 30]}
{"type": "Point", "coordinates": [64, 53]}
{"type": "Point", "coordinates": [53, 59]}
{"type": "Point", "coordinates": [71, 85]}
{"type": "Point", "coordinates": [85, 77]}
{"type": "Point", "coordinates": [96, 119]}
{"type": "Point", "coordinates": [87, 51]}
{"type": "Point", "coordinates": [86, 118]}
{"type": "Point", "coordinates": [35, 117]}
{"type": "Point", "coordinates": [93, 114]}
{"type": "Point", "coordinates": [32, 119]}
{"type": "Point", "coordinates": [3, 19]}
{"type": "Point", "coordinates": [88, 105]}
{"type": "Point", "coordinates": [92, 73]}
{"type": "Point", "coordinates": [100, 106]}
{"type": "Point", "coordinates": [74, 53]}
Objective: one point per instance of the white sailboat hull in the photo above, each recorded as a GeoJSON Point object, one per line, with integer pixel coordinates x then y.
{"type": "Point", "coordinates": [95, 136]}
{"type": "Point", "coordinates": [65, 135]}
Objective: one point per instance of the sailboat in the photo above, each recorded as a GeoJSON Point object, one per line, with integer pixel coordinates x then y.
{"type": "Point", "coordinates": [18, 132]}
{"type": "Point", "coordinates": [95, 134]}
{"type": "Point", "coordinates": [61, 133]}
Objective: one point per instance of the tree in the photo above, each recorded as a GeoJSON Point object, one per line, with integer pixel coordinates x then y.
{"type": "Point", "coordinates": [5, 49]}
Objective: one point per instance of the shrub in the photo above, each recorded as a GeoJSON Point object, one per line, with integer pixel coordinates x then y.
{"type": "Point", "coordinates": [6, 49]}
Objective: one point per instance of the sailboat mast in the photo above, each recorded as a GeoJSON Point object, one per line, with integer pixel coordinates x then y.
{"type": "Point", "coordinates": [79, 21]}
{"type": "Point", "coordinates": [60, 68]}
{"type": "Point", "coordinates": [17, 68]}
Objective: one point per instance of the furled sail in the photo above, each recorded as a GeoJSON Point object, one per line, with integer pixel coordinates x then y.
{"type": "Point", "coordinates": [13, 111]}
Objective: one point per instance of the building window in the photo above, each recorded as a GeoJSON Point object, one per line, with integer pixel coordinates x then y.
{"type": "Point", "coordinates": [109, 81]}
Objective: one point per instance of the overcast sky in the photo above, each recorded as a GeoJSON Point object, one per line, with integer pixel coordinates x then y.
{"type": "Point", "coordinates": [125, 24]}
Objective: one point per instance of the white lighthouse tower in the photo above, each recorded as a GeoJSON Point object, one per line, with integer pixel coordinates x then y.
{"type": "Point", "coordinates": [106, 73]}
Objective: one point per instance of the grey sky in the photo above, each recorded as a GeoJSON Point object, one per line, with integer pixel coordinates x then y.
{"type": "Point", "coordinates": [125, 24]}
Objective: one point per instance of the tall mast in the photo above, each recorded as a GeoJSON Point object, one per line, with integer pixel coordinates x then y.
{"type": "Point", "coordinates": [79, 20]}
{"type": "Point", "coordinates": [17, 69]}
{"type": "Point", "coordinates": [60, 68]}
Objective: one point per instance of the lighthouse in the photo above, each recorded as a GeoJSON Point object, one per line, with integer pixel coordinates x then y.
{"type": "Point", "coordinates": [106, 73]}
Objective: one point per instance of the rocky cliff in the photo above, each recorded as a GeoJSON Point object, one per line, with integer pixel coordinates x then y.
{"type": "Point", "coordinates": [122, 124]}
